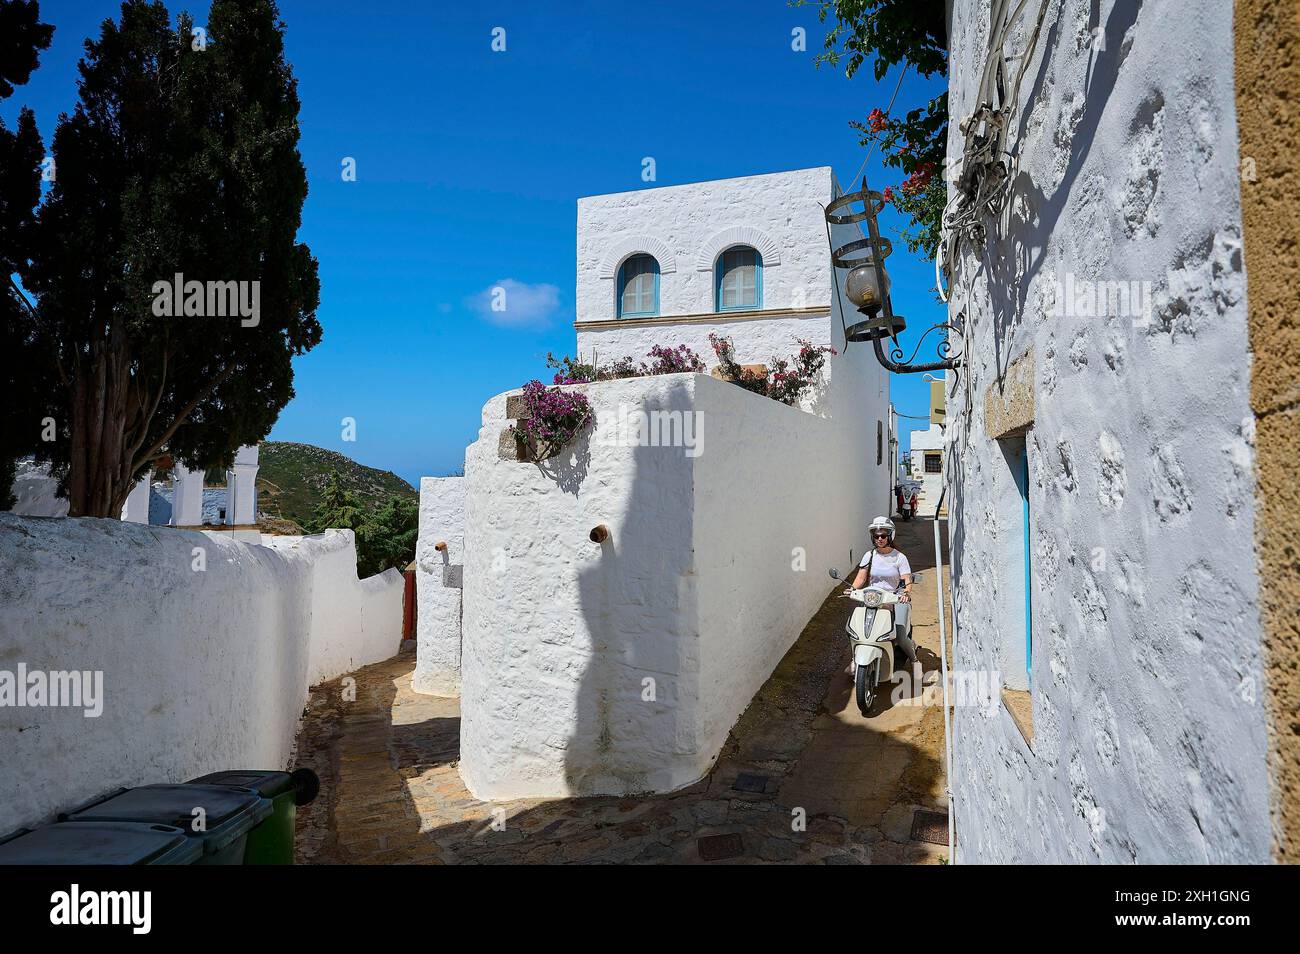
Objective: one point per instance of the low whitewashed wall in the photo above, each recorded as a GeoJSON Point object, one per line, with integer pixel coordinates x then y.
{"type": "Point", "coordinates": [620, 667]}
{"type": "Point", "coordinates": [353, 622]}
{"type": "Point", "coordinates": [201, 670]}
{"type": "Point", "coordinates": [438, 576]}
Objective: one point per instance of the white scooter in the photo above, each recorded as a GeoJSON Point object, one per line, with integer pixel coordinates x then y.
{"type": "Point", "coordinates": [871, 633]}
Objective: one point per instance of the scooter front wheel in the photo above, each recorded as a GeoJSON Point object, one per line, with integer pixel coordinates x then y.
{"type": "Point", "coordinates": [865, 677]}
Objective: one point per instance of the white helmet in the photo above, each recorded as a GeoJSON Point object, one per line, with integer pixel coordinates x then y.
{"type": "Point", "coordinates": [882, 523]}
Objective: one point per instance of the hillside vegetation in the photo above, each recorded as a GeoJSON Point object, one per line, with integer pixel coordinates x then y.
{"type": "Point", "coordinates": [291, 481]}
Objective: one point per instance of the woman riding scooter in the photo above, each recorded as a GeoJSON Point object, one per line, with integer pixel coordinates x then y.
{"type": "Point", "coordinates": [885, 568]}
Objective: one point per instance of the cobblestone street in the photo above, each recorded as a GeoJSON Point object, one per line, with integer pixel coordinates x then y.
{"type": "Point", "coordinates": [391, 793]}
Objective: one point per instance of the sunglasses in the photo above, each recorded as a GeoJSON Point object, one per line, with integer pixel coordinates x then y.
{"type": "Point", "coordinates": [880, 536]}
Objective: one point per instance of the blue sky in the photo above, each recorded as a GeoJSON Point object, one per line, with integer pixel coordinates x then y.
{"type": "Point", "coordinates": [469, 165]}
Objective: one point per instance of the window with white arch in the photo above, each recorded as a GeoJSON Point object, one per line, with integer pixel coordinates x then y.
{"type": "Point", "coordinates": [738, 279]}
{"type": "Point", "coordinates": [638, 287]}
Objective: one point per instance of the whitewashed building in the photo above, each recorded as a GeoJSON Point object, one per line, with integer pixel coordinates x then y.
{"type": "Point", "coordinates": [622, 602]}
{"type": "Point", "coordinates": [181, 502]}
{"type": "Point", "coordinates": [927, 465]}
{"type": "Point", "coordinates": [1118, 472]}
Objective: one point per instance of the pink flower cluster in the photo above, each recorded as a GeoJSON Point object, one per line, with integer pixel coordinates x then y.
{"type": "Point", "coordinates": [552, 418]}
{"type": "Point", "coordinates": [665, 361]}
{"type": "Point", "coordinates": [918, 180]}
{"type": "Point", "coordinates": [786, 381]}
{"type": "Point", "coordinates": [673, 360]}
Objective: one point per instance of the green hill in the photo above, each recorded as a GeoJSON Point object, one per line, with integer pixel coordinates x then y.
{"type": "Point", "coordinates": [290, 477]}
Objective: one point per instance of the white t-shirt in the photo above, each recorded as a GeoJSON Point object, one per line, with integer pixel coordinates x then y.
{"type": "Point", "coordinates": [887, 569]}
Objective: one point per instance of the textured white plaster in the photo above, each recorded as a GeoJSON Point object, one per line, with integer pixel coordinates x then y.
{"type": "Point", "coordinates": [713, 565]}
{"type": "Point", "coordinates": [36, 492]}
{"type": "Point", "coordinates": [638, 244]}
{"type": "Point", "coordinates": [755, 340]}
{"type": "Point", "coordinates": [136, 508]}
{"type": "Point", "coordinates": [1150, 741]}
{"type": "Point", "coordinates": [733, 235]}
{"type": "Point", "coordinates": [620, 667]}
{"type": "Point", "coordinates": [930, 439]}
{"type": "Point", "coordinates": [202, 669]}
{"type": "Point", "coordinates": [241, 487]}
{"type": "Point", "coordinates": [438, 586]}
{"type": "Point", "coordinates": [780, 213]}
{"type": "Point", "coordinates": [187, 496]}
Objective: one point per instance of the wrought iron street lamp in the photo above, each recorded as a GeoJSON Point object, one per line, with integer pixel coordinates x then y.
{"type": "Point", "coordinates": [867, 287]}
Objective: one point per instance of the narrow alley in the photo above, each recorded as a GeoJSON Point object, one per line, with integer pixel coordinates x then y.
{"type": "Point", "coordinates": [804, 777]}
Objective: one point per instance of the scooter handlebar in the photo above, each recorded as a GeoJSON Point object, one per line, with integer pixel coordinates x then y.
{"type": "Point", "coordinates": [861, 595]}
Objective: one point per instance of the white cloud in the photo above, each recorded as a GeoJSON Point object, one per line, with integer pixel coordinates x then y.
{"type": "Point", "coordinates": [513, 303]}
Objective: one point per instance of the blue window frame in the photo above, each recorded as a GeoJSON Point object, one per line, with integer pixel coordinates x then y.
{"type": "Point", "coordinates": [738, 280]}
{"type": "Point", "coordinates": [638, 287]}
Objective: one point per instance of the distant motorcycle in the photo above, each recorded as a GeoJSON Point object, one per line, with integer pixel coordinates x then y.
{"type": "Point", "coordinates": [906, 495]}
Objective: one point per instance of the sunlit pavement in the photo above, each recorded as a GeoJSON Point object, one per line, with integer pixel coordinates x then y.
{"type": "Point", "coordinates": [803, 778]}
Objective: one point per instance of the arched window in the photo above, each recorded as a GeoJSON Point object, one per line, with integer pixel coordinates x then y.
{"type": "Point", "coordinates": [738, 277]}
{"type": "Point", "coordinates": [638, 287]}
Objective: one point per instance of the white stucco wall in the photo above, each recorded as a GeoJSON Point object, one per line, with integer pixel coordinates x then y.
{"type": "Point", "coordinates": [36, 492]}
{"type": "Point", "coordinates": [755, 340]}
{"type": "Point", "coordinates": [685, 227]}
{"type": "Point", "coordinates": [353, 622]}
{"type": "Point", "coordinates": [438, 577]}
{"type": "Point", "coordinates": [1149, 736]}
{"type": "Point", "coordinates": [696, 589]}
{"type": "Point", "coordinates": [779, 498]}
{"type": "Point", "coordinates": [201, 670]}
{"type": "Point", "coordinates": [931, 439]}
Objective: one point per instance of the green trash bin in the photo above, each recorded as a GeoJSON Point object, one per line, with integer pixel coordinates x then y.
{"type": "Point", "coordinates": [271, 842]}
{"type": "Point", "coordinates": [229, 815]}
{"type": "Point", "coordinates": [100, 843]}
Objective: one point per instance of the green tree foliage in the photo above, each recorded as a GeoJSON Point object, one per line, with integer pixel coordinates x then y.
{"type": "Point", "coordinates": [339, 508]}
{"type": "Point", "coordinates": [892, 32]}
{"type": "Point", "coordinates": [392, 538]}
{"type": "Point", "coordinates": [385, 537]}
{"type": "Point", "coordinates": [180, 157]}
{"type": "Point", "coordinates": [22, 38]}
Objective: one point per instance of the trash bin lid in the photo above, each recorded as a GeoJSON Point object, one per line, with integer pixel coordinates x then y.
{"type": "Point", "coordinates": [229, 812]}
{"type": "Point", "coordinates": [101, 843]}
{"type": "Point", "coordinates": [268, 784]}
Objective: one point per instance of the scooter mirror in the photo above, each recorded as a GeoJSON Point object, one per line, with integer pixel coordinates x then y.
{"type": "Point", "coordinates": [835, 574]}
{"type": "Point", "coordinates": [916, 577]}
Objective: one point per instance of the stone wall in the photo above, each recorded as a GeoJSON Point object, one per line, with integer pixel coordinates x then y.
{"type": "Point", "coordinates": [206, 647]}
{"type": "Point", "coordinates": [1267, 72]}
{"type": "Point", "coordinates": [1148, 739]}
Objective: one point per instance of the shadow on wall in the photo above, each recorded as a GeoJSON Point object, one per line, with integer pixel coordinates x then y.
{"type": "Point", "coordinates": [641, 675]}
{"type": "Point", "coordinates": [856, 781]}
{"type": "Point", "coordinates": [1034, 218]}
